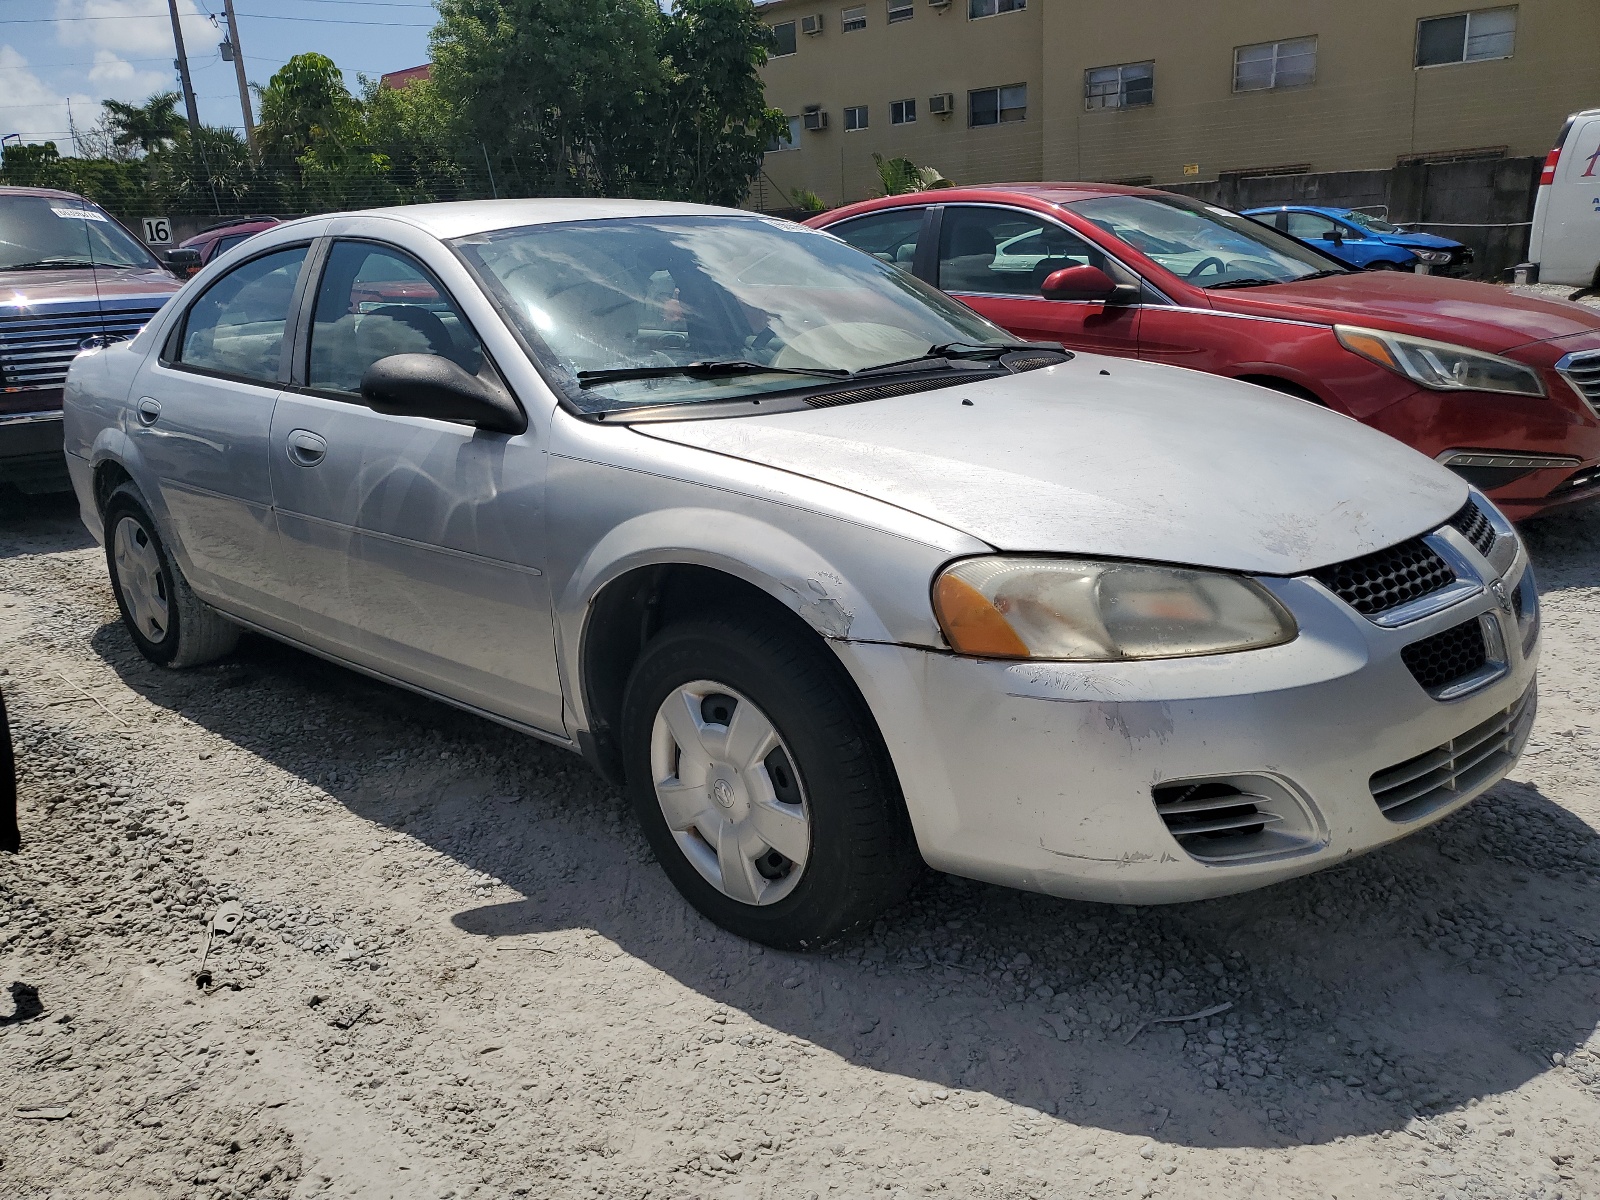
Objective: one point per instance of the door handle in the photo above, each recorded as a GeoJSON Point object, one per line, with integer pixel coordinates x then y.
{"type": "Point", "coordinates": [306, 449]}
{"type": "Point", "coordinates": [149, 410]}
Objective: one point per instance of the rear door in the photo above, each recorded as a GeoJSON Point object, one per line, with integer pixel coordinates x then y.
{"type": "Point", "coordinates": [1327, 235]}
{"type": "Point", "coordinates": [1570, 250]}
{"type": "Point", "coordinates": [995, 259]}
{"type": "Point", "coordinates": [202, 414]}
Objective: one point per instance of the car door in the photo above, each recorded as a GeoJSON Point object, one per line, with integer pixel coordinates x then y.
{"type": "Point", "coordinates": [418, 543]}
{"type": "Point", "coordinates": [995, 258]}
{"type": "Point", "coordinates": [895, 235]}
{"type": "Point", "coordinates": [202, 416]}
{"type": "Point", "coordinates": [1326, 235]}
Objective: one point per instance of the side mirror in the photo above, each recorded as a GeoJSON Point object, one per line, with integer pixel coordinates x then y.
{"type": "Point", "coordinates": [427, 385]}
{"type": "Point", "coordinates": [183, 262]}
{"type": "Point", "coordinates": [1087, 283]}
{"type": "Point", "coordinates": [1336, 237]}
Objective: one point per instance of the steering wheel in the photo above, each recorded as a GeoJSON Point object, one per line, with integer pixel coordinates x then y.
{"type": "Point", "coordinates": [762, 340]}
{"type": "Point", "coordinates": [1207, 264]}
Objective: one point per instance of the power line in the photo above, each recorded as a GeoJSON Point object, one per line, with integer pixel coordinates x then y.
{"type": "Point", "coordinates": [252, 16]}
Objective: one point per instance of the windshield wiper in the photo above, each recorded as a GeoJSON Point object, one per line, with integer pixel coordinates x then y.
{"type": "Point", "coordinates": [1253, 281]}
{"type": "Point", "coordinates": [703, 370]}
{"type": "Point", "coordinates": [45, 264]}
{"type": "Point", "coordinates": [978, 351]}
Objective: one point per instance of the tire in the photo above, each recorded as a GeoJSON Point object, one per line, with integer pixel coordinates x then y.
{"type": "Point", "coordinates": [1385, 266]}
{"type": "Point", "coordinates": [826, 786]}
{"type": "Point", "coordinates": [167, 621]}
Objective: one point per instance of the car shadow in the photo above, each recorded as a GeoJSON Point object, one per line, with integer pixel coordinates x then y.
{"type": "Point", "coordinates": [35, 524]}
{"type": "Point", "coordinates": [1557, 544]}
{"type": "Point", "coordinates": [1443, 969]}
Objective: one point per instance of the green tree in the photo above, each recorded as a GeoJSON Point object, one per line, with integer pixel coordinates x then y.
{"type": "Point", "coordinates": [312, 134]}
{"type": "Point", "coordinates": [146, 127]}
{"type": "Point", "coordinates": [556, 94]}
{"type": "Point", "coordinates": [413, 129]}
{"type": "Point", "coordinates": [718, 124]}
{"type": "Point", "coordinates": [901, 175]}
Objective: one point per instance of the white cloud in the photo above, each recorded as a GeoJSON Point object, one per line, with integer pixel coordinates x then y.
{"type": "Point", "coordinates": [136, 28]}
{"type": "Point", "coordinates": [119, 79]}
{"type": "Point", "coordinates": [34, 109]}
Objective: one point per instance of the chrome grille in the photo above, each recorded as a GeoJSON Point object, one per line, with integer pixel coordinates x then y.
{"type": "Point", "coordinates": [1376, 583]}
{"type": "Point", "coordinates": [1438, 661]}
{"type": "Point", "coordinates": [1471, 524]}
{"type": "Point", "coordinates": [1582, 371]}
{"type": "Point", "coordinates": [1236, 818]}
{"type": "Point", "coordinates": [37, 348]}
{"type": "Point", "coordinates": [1209, 811]}
{"type": "Point", "coordinates": [1419, 785]}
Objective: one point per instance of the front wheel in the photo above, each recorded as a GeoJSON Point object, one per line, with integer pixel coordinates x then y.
{"type": "Point", "coordinates": [762, 782]}
{"type": "Point", "coordinates": [169, 623]}
{"type": "Point", "coordinates": [1385, 266]}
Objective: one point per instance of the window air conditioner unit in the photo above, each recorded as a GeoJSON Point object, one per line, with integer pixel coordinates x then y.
{"type": "Point", "coordinates": [942, 105]}
{"type": "Point", "coordinates": [815, 119]}
{"type": "Point", "coordinates": [811, 25]}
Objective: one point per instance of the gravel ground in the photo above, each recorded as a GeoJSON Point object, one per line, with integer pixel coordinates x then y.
{"type": "Point", "coordinates": [459, 973]}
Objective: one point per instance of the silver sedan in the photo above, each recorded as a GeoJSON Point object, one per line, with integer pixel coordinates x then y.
{"type": "Point", "coordinates": [832, 576]}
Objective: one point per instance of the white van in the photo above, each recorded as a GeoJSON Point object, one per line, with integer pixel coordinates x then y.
{"type": "Point", "coordinates": [1565, 243]}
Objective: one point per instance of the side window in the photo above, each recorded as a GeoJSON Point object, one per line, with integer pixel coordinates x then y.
{"type": "Point", "coordinates": [236, 327]}
{"type": "Point", "coordinates": [374, 302]}
{"type": "Point", "coordinates": [889, 236]}
{"type": "Point", "coordinates": [228, 243]}
{"type": "Point", "coordinates": [1005, 252]}
{"type": "Point", "coordinates": [1307, 226]}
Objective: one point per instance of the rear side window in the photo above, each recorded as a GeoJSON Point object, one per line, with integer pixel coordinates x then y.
{"type": "Point", "coordinates": [236, 328]}
{"type": "Point", "coordinates": [1309, 225]}
{"type": "Point", "coordinates": [890, 237]}
{"type": "Point", "coordinates": [374, 301]}
{"type": "Point", "coordinates": [1006, 252]}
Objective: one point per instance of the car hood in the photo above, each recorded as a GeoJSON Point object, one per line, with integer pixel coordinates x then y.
{"type": "Point", "coordinates": [1429, 241]}
{"type": "Point", "coordinates": [1479, 315]}
{"type": "Point", "coordinates": [23, 288]}
{"type": "Point", "coordinates": [1103, 457]}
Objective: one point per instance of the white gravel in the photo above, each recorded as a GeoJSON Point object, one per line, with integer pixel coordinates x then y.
{"type": "Point", "coordinates": [459, 973]}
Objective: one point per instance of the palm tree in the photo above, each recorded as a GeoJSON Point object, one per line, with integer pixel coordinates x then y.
{"type": "Point", "coordinates": [150, 125]}
{"type": "Point", "coordinates": [901, 175]}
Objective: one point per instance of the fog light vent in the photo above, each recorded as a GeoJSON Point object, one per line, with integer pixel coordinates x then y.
{"type": "Point", "coordinates": [1237, 818]}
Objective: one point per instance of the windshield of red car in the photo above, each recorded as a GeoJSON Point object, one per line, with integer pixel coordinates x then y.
{"type": "Point", "coordinates": [650, 294]}
{"type": "Point", "coordinates": [1204, 244]}
{"type": "Point", "coordinates": [58, 231]}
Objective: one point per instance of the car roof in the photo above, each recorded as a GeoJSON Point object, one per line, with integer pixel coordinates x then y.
{"type": "Point", "coordinates": [1313, 208]}
{"type": "Point", "coordinates": [462, 218]}
{"type": "Point", "coordinates": [38, 191]}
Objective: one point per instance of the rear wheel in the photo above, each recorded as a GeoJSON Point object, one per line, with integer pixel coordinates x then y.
{"type": "Point", "coordinates": [762, 783]}
{"type": "Point", "coordinates": [168, 622]}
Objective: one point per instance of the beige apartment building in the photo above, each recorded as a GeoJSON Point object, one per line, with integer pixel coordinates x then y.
{"type": "Point", "coordinates": [1163, 91]}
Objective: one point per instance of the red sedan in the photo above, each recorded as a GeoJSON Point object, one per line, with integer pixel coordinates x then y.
{"type": "Point", "coordinates": [1502, 388]}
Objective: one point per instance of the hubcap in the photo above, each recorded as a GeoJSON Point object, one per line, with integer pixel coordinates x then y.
{"type": "Point", "coordinates": [144, 590]}
{"type": "Point", "coordinates": [730, 794]}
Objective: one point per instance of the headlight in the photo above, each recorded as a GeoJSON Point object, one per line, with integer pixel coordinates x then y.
{"type": "Point", "coordinates": [1078, 611]}
{"type": "Point", "coordinates": [1440, 365]}
{"type": "Point", "coordinates": [1434, 257]}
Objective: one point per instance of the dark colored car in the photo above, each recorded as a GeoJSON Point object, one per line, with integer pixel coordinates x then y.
{"type": "Point", "coordinates": [70, 277]}
{"type": "Point", "coordinates": [1502, 388]}
{"type": "Point", "coordinates": [1362, 240]}
{"type": "Point", "coordinates": [214, 241]}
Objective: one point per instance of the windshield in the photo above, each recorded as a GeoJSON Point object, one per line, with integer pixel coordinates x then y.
{"type": "Point", "coordinates": [1368, 221]}
{"type": "Point", "coordinates": [57, 231]}
{"type": "Point", "coordinates": [645, 295]}
{"type": "Point", "coordinates": [1206, 245]}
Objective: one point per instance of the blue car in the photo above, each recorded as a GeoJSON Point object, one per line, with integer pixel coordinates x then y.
{"type": "Point", "coordinates": [1363, 240]}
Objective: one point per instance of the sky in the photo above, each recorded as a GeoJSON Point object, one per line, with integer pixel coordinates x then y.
{"type": "Point", "coordinates": [56, 52]}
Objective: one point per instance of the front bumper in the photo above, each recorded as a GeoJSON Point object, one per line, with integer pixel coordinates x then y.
{"type": "Point", "coordinates": [30, 451]}
{"type": "Point", "coordinates": [1040, 776]}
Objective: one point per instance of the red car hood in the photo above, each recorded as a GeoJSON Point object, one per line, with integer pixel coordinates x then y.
{"type": "Point", "coordinates": [1479, 315]}
{"type": "Point", "coordinates": [23, 288]}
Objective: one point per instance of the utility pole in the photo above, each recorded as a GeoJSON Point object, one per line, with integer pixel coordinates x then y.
{"type": "Point", "coordinates": [244, 88]}
{"type": "Point", "coordinates": [182, 63]}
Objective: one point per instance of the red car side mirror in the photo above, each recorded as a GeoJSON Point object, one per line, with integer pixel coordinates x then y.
{"type": "Point", "coordinates": [1079, 283]}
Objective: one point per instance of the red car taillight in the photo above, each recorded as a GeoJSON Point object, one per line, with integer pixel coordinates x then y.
{"type": "Point", "coordinates": [1548, 175]}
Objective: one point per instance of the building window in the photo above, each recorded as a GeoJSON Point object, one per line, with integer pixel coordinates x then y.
{"type": "Point", "coordinates": [1466, 37]}
{"type": "Point", "coordinates": [902, 112]}
{"type": "Point", "coordinates": [901, 10]}
{"type": "Point", "coordinates": [852, 19]}
{"type": "Point", "coordinates": [1275, 65]}
{"type": "Point", "coordinates": [1130, 86]}
{"type": "Point", "coordinates": [989, 8]}
{"type": "Point", "coordinates": [783, 36]}
{"type": "Point", "coordinates": [855, 118]}
{"type": "Point", "coordinates": [789, 139]}
{"type": "Point", "coordinates": [998, 106]}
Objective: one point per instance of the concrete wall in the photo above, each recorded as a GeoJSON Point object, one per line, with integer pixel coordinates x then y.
{"type": "Point", "coordinates": [1485, 204]}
